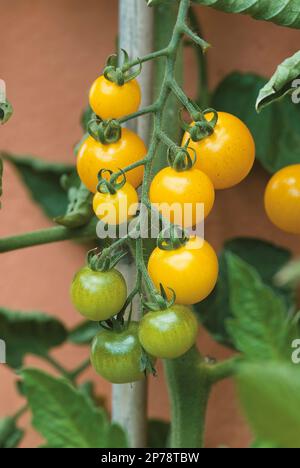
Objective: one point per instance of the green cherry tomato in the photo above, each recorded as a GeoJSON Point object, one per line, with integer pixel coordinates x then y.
{"type": "Point", "coordinates": [98, 295]}
{"type": "Point", "coordinates": [116, 356]}
{"type": "Point", "coordinates": [169, 333]}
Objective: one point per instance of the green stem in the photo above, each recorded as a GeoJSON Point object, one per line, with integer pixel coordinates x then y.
{"type": "Point", "coordinates": [79, 370]}
{"type": "Point", "coordinates": [189, 386]}
{"type": "Point", "coordinates": [225, 370]}
{"type": "Point", "coordinates": [57, 366]}
{"type": "Point", "coordinates": [20, 413]}
{"type": "Point", "coordinates": [48, 236]}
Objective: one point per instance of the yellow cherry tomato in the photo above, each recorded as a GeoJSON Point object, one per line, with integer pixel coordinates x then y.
{"type": "Point", "coordinates": [182, 196]}
{"type": "Point", "coordinates": [111, 101]}
{"type": "Point", "coordinates": [282, 199]}
{"type": "Point", "coordinates": [191, 271]}
{"type": "Point", "coordinates": [227, 156]}
{"type": "Point", "coordinates": [94, 156]}
{"type": "Point", "coordinates": [116, 208]}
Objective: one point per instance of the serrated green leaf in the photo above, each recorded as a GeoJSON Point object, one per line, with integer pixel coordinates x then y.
{"type": "Point", "coordinates": [276, 130]}
{"type": "Point", "coordinates": [10, 434]}
{"type": "Point", "coordinates": [266, 258]}
{"type": "Point", "coordinates": [259, 327]}
{"type": "Point", "coordinates": [84, 333]}
{"type": "Point", "coordinates": [43, 181]}
{"type": "Point", "coordinates": [281, 83]}
{"type": "Point", "coordinates": [283, 12]}
{"type": "Point", "coordinates": [29, 333]}
{"type": "Point", "coordinates": [80, 210]}
{"type": "Point", "coordinates": [66, 417]}
{"type": "Point", "coordinates": [270, 395]}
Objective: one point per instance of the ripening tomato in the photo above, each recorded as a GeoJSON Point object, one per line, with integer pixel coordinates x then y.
{"type": "Point", "coordinates": [170, 333]}
{"type": "Point", "coordinates": [191, 271]}
{"type": "Point", "coordinates": [111, 101]}
{"type": "Point", "coordinates": [182, 196]}
{"type": "Point", "coordinates": [94, 156]}
{"type": "Point", "coordinates": [227, 156]}
{"type": "Point", "coordinates": [117, 355]}
{"type": "Point", "coordinates": [116, 208]}
{"type": "Point", "coordinates": [98, 295]}
{"type": "Point", "coordinates": [282, 199]}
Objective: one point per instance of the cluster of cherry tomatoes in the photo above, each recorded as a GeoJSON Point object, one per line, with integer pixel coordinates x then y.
{"type": "Point", "coordinates": [189, 270]}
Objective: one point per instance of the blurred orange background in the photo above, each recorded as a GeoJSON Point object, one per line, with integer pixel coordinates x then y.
{"type": "Point", "coordinates": [49, 55]}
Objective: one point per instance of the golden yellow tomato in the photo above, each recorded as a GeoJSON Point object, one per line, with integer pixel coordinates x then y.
{"type": "Point", "coordinates": [227, 156]}
{"type": "Point", "coordinates": [282, 199]}
{"type": "Point", "coordinates": [94, 156]}
{"type": "Point", "coordinates": [116, 208]}
{"type": "Point", "coordinates": [191, 271]}
{"type": "Point", "coordinates": [185, 198]}
{"type": "Point", "coordinates": [111, 101]}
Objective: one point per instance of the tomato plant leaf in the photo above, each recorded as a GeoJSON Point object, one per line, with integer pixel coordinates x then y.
{"type": "Point", "coordinates": [281, 83]}
{"type": "Point", "coordinates": [29, 333]}
{"type": "Point", "coordinates": [66, 417]}
{"type": "Point", "coordinates": [276, 130]}
{"type": "Point", "coordinates": [259, 327]}
{"type": "Point", "coordinates": [86, 117]}
{"type": "Point", "coordinates": [266, 258]}
{"type": "Point", "coordinates": [80, 210]}
{"type": "Point", "coordinates": [84, 333]}
{"type": "Point", "coordinates": [270, 395]}
{"type": "Point", "coordinates": [284, 13]}
{"type": "Point", "coordinates": [43, 181]}
{"type": "Point", "coordinates": [10, 434]}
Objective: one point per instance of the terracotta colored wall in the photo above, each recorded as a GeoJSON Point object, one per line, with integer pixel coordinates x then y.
{"type": "Point", "coordinates": [49, 54]}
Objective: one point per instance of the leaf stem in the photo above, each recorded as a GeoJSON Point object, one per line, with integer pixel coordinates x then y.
{"type": "Point", "coordinates": [47, 236]}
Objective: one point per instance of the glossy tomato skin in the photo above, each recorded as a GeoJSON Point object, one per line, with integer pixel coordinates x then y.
{"type": "Point", "coordinates": [111, 101]}
{"type": "Point", "coordinates": [191, 271]}
{"type": "Point", "coordinates": [116, 208]}
{"type": "Point", "coordinates": [187, 189]}
{"type": "Point", "coordinates": [116, 356]}
{"type": "Point", "coordinates": [94, 156]}
{"type": "Point", "coordinates": [98, 295]}
{"type": "Point", "coordinates": [170, 333]}
{"type": "Point", "coordinates": [282, 199]}
{"type": "Point", "coordinates": [227, 156]}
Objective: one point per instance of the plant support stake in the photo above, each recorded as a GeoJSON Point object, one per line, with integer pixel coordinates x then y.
{"type": "Point", "coordinates": [129, 401]}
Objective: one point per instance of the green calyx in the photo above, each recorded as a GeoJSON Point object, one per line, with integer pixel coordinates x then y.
{"type": "Point", "coordinates": [172, 238]}
{"type": "Point", "coordinates": [113, 184]}
{"type": "Point", "coordinates": [106, 132]}
{"type": "Point", "coordinates": [180, 159]}
{"type": "Point", "coordinates": [161, 300]}
{"type": "Point", "coordinates": [202, 128]}
{"type": "Point", "coordinates": [103, 261]}
{"type": "Point", "coordinates": [120, 75]}
{"type": "Point", "coordinates": [6, 111]}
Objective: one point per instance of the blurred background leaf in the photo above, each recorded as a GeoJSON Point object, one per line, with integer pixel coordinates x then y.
{"type": "Point", "coordinates": [276, 130]}
{"type": "Point", "coordinates": [66, 417]}
{"type": "Point", "coordinates": [42, 179]}
{"type": "Point", "coordinates": [266, 258]}
{"type": "Point", "coordinates": [10, 434]}
{"type": "Point", "coordinates": [29, 333]}
{"type": "Point", "coordinates": [259, 327]}
{"type": "Point", "coordinates": [270, 395]}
